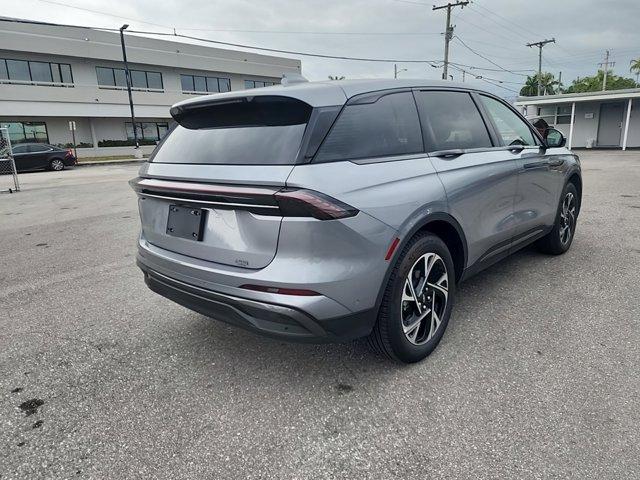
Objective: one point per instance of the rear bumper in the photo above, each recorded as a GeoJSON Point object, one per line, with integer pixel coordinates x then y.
{"type": "Point", "coordinates": [266, 318]}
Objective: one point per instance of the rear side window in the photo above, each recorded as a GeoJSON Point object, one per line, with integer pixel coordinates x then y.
{"type": "Point", "coordinates": [511, 128]}
{"type": "Point", "coordinates": [451, 120]}
{"type": "Point", "coordinates": [261, 130]}
{"type": "Point", "coordinates": [388, 126]}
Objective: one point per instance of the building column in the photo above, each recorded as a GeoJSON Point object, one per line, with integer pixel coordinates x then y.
{"type": "Point", "coordinates": [573, 119]}
{"type": "Point", "coordinates": [626, 125]}
{"type": "Point", "coordinates": [93, 133]}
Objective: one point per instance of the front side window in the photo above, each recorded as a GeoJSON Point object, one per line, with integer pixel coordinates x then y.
{"type": "Point", "coordinates": [386, 127]}
{"type": "Point", "coordinates": [451, 120]}
{"type": "Point", "coordinates": [511, 128]}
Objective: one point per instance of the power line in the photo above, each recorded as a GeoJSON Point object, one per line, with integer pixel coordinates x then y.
{"type": "Point", "coordinates": [486, 58]}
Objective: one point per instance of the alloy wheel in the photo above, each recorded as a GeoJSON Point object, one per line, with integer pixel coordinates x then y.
{"type": "Point", "coordinates": [567, 218]}
{"type": "Point", "coordinates": [424, 298]}
{"type": "Point", "coordinates": [57, 164]}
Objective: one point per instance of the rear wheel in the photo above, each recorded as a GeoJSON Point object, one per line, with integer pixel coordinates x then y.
{"type": "Point", "coordinates": [559, 239]}
{"type": "Point", "coordinates": [56, 164]}
{"type": "Point", "coordinates": [417, 302]}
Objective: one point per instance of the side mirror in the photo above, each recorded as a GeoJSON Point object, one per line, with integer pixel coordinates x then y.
{"type": "Point", "coordinates": [555, 138]}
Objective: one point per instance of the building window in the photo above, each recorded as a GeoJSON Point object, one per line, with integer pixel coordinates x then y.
{"type": "Point", "coordinates": [555, 115]}
{"type": "Point", "coordinates": [257, 84]}
{"type": "Point", "coordinates": [35, 72]}
{"type": "Point", "coordinates": [21, 132]}
{"type": "Point", "coordinates": [140, 79]}
{"type": "Point", "coordinates": [148, 130]}
{"type": "Point", "coordinates": [202, 84]}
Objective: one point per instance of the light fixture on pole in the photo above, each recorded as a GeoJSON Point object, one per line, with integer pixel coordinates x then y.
{"type": "Point", "coordinates": [127, 74]}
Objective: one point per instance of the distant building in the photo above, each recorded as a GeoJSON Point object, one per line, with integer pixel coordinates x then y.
{"type": "Point", "coordinates": [51, 75]}
{"type": "Point", "coordinates": [609, 119]}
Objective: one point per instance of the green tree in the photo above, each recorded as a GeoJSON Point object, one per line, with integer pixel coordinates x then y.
{"type": "Point", "coordinates": [594, 83]}
{"type": "Point", "coordinates": [635, 68]}
{"type": "Point", "coordinates": [549, 84]}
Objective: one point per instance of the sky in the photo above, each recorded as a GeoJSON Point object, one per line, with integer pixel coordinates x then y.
{"type": "Point", "coordinates": [495, 33]}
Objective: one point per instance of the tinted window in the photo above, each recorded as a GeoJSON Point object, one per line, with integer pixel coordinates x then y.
{"type": "Point", "coordinates": [389, 126]}
{"type": "Point", "coordinates": [154, 80]}
{"type": "Point", "coordinates": [262, 130]}
{"type": "Point", "coordinates": [120, 77]}
{"type": "Point", "coordinates": [187, 83]}
{"type": "Point", "coordinates": [38, 148]}
{"type": "Point", "coordinates": [511, 128]}
{"type": "Point", "coordinates": [138, 79]}
{"type": "Point", "coordinates": [225, 84]}
{"type": "Point", "coordinates": [3, 70]}
{"type": "Point", "coordinates": [105, 76]}
{"type": "Point", "coordinates": [20, 149]}
{"type": "Point", "coordinates": [212, 84]}
{"type": "Point", "coordinates": [40, 72]}
{"type": "Point", "coordinates": [65, 70]}
{"type": "Point", "coordinates": [200, 84]}
{"type": "Point", "coordinates": [451, 120]}
{"type": "Point", "coordinates": [18, 70]}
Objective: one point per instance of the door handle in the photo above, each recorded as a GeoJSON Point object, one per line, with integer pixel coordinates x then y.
{"type": "Point", "coordinates": [536, 165]}
{"type": "Point", "coordinates": [556, 163]}
{"type": "Point", "coordinates": [453, 153]}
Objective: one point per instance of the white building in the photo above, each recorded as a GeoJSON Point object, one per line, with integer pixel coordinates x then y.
{"type": "Point", "coordinates": [51, 75]}
{"type": "Point", "coordinates": [607, 119]}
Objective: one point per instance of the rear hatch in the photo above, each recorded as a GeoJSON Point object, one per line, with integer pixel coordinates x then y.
{"type": "Point", "coordinates": [208, 189]}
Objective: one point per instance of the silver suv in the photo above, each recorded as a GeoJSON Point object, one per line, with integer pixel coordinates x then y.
{"type": "Point", "coordinates": [329, 211]}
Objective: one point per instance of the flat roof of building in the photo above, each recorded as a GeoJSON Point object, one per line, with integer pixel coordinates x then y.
{"type": "Point", "coordinates": [580, 97]}
{"type": "Point", "coordinates": [93, 43]}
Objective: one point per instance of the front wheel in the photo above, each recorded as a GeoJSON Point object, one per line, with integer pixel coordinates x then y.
{"type": "Point", "coordinates": [56, 165]}
{"type": "Point", "coordinates": [417, 302]}
{"type": "Point", "coordinates": [559, 239]}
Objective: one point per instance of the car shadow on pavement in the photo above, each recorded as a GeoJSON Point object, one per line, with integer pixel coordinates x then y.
{"type": "Point", "coordinates": [252, 350]}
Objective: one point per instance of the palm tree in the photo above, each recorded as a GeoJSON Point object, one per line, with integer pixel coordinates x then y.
{"type": "Point", "coordinates": [635, 68]}
{"type": "Point", "coordinates": [547, 80]}
{"type": "Point", "coordinates": [335, 77]}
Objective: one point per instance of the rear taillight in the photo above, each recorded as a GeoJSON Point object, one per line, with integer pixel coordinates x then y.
{"type": "Point", "coordinates": [308, 203]}
{"type": "Point", "coordinates": [286, 202]}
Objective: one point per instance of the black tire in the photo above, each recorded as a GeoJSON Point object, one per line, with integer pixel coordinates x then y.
{"type": "Point", "coordinates": [388, 337]}
{"type": "Point", "coordinates": [56, 164]}
{"type": "Point", "coordinates": [557, 242]}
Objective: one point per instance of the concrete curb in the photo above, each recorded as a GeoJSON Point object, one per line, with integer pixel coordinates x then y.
{"type": "Point", "coordinates": [123, 161]}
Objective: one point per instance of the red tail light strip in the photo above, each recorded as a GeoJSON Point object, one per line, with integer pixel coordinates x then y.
{"type": "Point", "coordinates": [300, 292]}
{"type": "Point", "coordinates": [287, 202]}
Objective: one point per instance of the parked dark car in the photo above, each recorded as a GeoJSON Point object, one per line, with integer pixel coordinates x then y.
{"type": "Point", "coordinates": [38, 156]}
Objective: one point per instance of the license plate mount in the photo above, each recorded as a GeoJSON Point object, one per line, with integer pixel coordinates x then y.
{"type": "Point", "coordinates": [186, 222]}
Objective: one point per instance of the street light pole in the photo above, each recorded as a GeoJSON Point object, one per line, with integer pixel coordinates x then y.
{"type": "Point", "coordinates": [127, 75]}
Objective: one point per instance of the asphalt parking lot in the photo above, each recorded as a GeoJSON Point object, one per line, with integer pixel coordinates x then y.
{"type": "Point", "coordinates": [537, 376]}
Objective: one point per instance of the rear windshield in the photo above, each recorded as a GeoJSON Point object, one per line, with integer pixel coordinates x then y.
{"type": "Point", "coordinates": [263, 130]}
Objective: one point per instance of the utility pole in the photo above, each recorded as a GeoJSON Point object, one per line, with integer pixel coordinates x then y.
{"type": "Point", "coordinates": [606, 65]}
{"type": "Point", "coordinates": [540, 45]}
{"type": "Point", "coordinates": [463, 74]}
{"type": "Point", "coordinates": [448, 34]}
{"type": "Point", "coordinates": [129, 83]}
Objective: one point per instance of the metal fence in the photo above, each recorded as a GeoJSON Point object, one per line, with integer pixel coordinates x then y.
{"type": "Point", "coordinates": [8, 174]}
